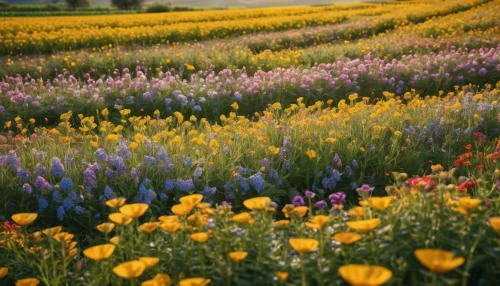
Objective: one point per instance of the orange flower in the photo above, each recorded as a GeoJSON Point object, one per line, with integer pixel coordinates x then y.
{"type": "Point", "coordinates": [159, 280]}
{"type": "Point", "coordinates": [243, 217]}
{"type": "Point", "coordinates": [3, 272]}
{"type": "Point", "coordinates": [304, 245]}
{"type": "Point", "coordinates": [469, 204]}
{"type": "Point", "coordinates": [172, 226]}
{"type": "Point", "coordinates": [438, 261]}
{"type": "Point", "coordinates": [147, 227]}
{"type": "Point", "coordinates": [191, 201]}
{"type": "Point", "coordinates": [364, 225]}
{"type": "Point", "coordinates": [200, 237]}
{"type": "Point", "coordinates": [317, 222]}
{"type": "Point", "coordinates": [238, 255]}
{"type": "Point", "coordinates": [24, 219]}
{"type": "Point", "coordinates": [197, 281]}
{"type": "Point", "coordinates": [130, 270]}
{"type": "Point", "coordinates": [116, 203]}
{"type": "Point", "coordinates": [258, 203]}
{"type": "Point", "coordinates": [495, 223]}
{"type": "Point", "coordinates": [63, 236]}
{"type": "Point", "coordinates": [28, 282]}
{"type": "Point", "coordinates": [52, 231]}
{"type": "Point", "coordinates": [106, 227]}
{"type": "Point", "coordinates": [181, 210]}
{"type": "Point", "coordinates": [347, 237]}
{"type": "Point", "coordinates": [149, 261]}
{"type": "Point", "coordinates": [120, 218]}
{"type": "Point", "coordinates": [362, 275]}
{"type": "Point", "coordinates": [99, 252]}
{"type": "Point", "coordinates": [357, 211]}
{"type": "Point", "coordinates": [282, 276]}
{"type": "Point", "coordinates": [380, 203]}
{"type": "Point", "coordinates": [134, 210]}
{"type": "Point", "coordinates": [282, 223]}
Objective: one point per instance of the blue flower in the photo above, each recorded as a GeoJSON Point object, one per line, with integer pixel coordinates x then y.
{"type": "Point", "coordinates": [66, 184]}
{"type": "Point", "coordinates": [124, 151]}
{"type": "Point", "coordinates": [329, 183]}
{"type": "Point", "coordinates": [60, 213]}
{"type": "Point", "coordinates": [101, 155]}
{"type": "Point", "coordinates": [42, 203]}
{"type": "Point", "coordinates": [184, 186]}
{"type": "Point", "coordinates": [198, 172]}
{"type": "Point", "coordinates": [57, 169]}
{"type": "Point", "coordinates": [163, 196]}
{"type": "Point", "coordinates": [148, 160]}
{"type": "Point", "coordinates": [56, 198]}
{"type": "Point", "coordinates": [23, 174]}
{"type": "Point", "coordinates": [257, 182]}
{"type": "Point", "coordinates": [169, 185]}
{"type": "Point", "coordinates": [108, 193]}
{"type": "Point", "coordinates": [68, 204]}
{"type": "Point", "coordinates": [79, 210]}
{"type": "Point", "coordinates": [28, 189]}
{"type": "Point", "coordinates": [188, 162]}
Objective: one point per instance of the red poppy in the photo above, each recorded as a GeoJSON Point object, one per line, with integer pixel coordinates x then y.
{"type": "Point", "coordinates": [459, 163]}
{"type": "Point", "coordinates": [480, 166]}
{"type": "Point", "coordinates": [468, 146]}
{"type": "Point", "coordinates": [467, 163]}
{"type": "Point", "coordinates": [9, 226]}
{"type": "Point", "coordinates": [478, 134]}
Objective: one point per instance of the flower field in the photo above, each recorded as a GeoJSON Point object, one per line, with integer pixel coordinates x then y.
{"type": "Point", "coordinates": [348, 144]}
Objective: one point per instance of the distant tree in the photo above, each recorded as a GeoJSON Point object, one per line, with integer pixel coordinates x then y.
{"type": "Point", "coordinates": [127, 4]}
{"type": "Point", "coordinates": [3, 4]}
{"type": "Point", "coordinates": [78, 3]}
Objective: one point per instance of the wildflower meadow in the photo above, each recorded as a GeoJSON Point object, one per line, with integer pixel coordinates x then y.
{"type": "Point", "coordinates": [343, 144]}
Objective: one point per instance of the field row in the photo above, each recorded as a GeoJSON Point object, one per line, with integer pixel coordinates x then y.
{"type": "Point", "coordinates": [20, 40]}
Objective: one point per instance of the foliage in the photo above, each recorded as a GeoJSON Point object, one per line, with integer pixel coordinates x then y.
{"type": "Point", "coordinates": [127, 4]}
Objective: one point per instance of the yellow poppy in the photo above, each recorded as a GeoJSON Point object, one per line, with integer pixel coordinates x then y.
{"type": "Point", "coordinates": [282, 276]}
{"type": "Point", "coordinates": [120, 218]}
{"type": "Point", "coordinates": [130, 270]}
{"type": "Point", "coordinates": [191, 201]}
{"type": "Point", "coordinates": [357, 212]}
{"type": "Point", "coordinates": [282, 223]}
{"type": "Point", "coordinates": [3, 272]}
{"type": "Point", "coordinates": [364, 225]}
{"type": "Point", "coordinates": [495, 223]}
{"type": "Point", "coordinates": [159, 280]}
{"type": "Point", "coordinates": [317, 222]}
{"type": "Point", "coordinates": [238, 256]}
{"type": "Point", "coordinates": [169, 218]}
{"type": "Point", "coordinates": [380, 203]}
{"type": "Point", "coordinates": [181, 210]}
{"type": "Point", "coordinates": [147, 227]}
{"type": "Point", "coordinates": [115, 203]}
{"type": "Point", "coordinates": [52, 231]}
{"type": "Point", "coordinates": [304, 245]}
{"type": "Point", "coordinates": [197, 281]}
{"type": "Point", "coordinates": [99, 252]}
{"type": "Point", "coordinates": [172, 226]}
{"type": "Point", "coordinates": [63, 236]}
{"type": "Point", "coordinates": [115, 240]}
{"type": "Point", "coordinates": [200, 237]}
{"type": "Point", "coordinates": [149, 261]}
{"type": "Point", "coordinates": [438, 261]}
{"type": "Point", "coordinates": [347, 237]}
{"type": "Point", "coordinates": [299, 212]}
{"type": "Point", "coordinates": [134, 210]}
{"type": "Point", "coordinates": [362, 275]}
{"type": "Point", "coordinates": [243, 217]}
{"type": "Point", "coordinates": [311, 154]}
{"type": "Point", "coordinates": [24, 219]}
{"type": "Point", "coordinates": [469, 204]}
{"type": "Point", "coordinates": [258, 203]}
{"type": "Point", "coordinates": [106, 227]}
{"type": "Point", "coordinates": [28, 282]}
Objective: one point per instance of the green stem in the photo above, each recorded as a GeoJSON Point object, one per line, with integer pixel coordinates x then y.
{"type": "Point", "coordinates": [303, 270]}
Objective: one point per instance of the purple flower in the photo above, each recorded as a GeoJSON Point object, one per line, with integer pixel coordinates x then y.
{"type": "Point", "coordinates": [482, 72]}
{"type": "Point", "coordinates": [57, 169]}
{"type": "Point", "coordinates": [27, 188]}
{"type": "Point", "coordinates": [320, 204]}
{"type": "Point", "coordinates": [309, 194]}
{"type": "Point", "coordinates": [337, 198]}
{"type": "Point", "coordinates": [298, 201]}
{"type": "Point", "coordinates": [365, 188]}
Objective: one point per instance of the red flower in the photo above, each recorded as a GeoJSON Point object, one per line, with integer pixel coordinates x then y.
{"type": "Point", "coordinates": [478, 134]}
{"type": "Point", "coordinates": [9, 226]}
{"type": "Point", "coordinates": [459, 163]}
{"type": "Point", "coordinates": [467, 163]}
{"type": "Point", "coordinates": [468, 146]}
{"type": "Point", "coordinates": [467, 185]}
{"type": "Point", "coordinates": [428, 182]}
{"type": "Point", "coordinates": [480, 166]}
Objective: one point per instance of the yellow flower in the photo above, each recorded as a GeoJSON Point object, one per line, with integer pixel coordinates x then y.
{"type": "Point", "coordinates": [28, 282]}
{"type": "Point", "coordinates": [357, 211]}
{"type": "Point", "coordinates": [495, 223]}
{"type": "Point", "coordinates": [169, 218]}
{"type": "Point", "coordinates": [299, 212]}
{"type": "Point", "coordinates": [380, 203]}
{"type": "Point", "coordinates": [469, 204]}
{"type": "Point", "coordinates": [149, 261]}
{"type": "Point", "coordinates": [438, 261]}
{"type": "Point", "coordinates": [115, 203]}
{"type": "Point", "coordinates": [159, 280]}
{"type": "Point", "coordinates": [362, 275]}
{"type": "Point", "coordinates": [63, 236]}
{"type": "Point", "coordinates": [130, 270]}
{"type": "Point", "coordinates": [364, 225]}
{"type": "Point", "coordinates": [52, 231]}
{"type": "Point", "coordinates": [282, 223]}
{"type": "Point", "coordinates": [134, 210]}
{"type": "Point", "coordinates": [171, 226]}
{"type": "Point", "coordinates": [133, 145]}
{"type": "Point", "coordinates": [106, 227]}
{"type": "Point", "coordinates": [105, 112]}
{"type": "Point", "coordinates": [258, 203]}
{"type": "Point", "coordinates": [304, 245]}
{"type": "Point", "coordinates": [243, 217]}
{"type": "Point", "coordinates": [282, 276]}
{"type": "Point", "coordinates": [200, 237]}
{"type": "Point", "coordinates": [181, 210]}
{"type": "Point", "coordinates": [197, 281]}
{"type": "Point", "coordinates": [347, 237]}
{"type": "Point", "coordinates": [238, 255]}
{"type": "Point", "coordinates": [235, 106]}
{"type": "Point", "coordinates": [94, 144]}
{"type": "Point", "coordinates": [24, 219]}
{"type": "Point", "coordinates": [111, 138]}
{"type": "Point", "coordinates": [148, 227]}
{"type": "Point", "coordinates": [3, 272]}
{"type": "Point", "coordinates": [99, 252]}
{"type": "Point", "coordinates": [191, 201]}
{"type": "Point", "coordinates": [311, 154]}
{"type": "Point", "coordinates": [120, 218]}
{"type": "Point", "coordinates": [115, 240]}
{"type": "Point", "coordinates": [317, 221]}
